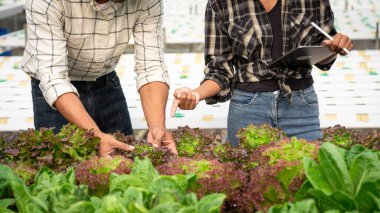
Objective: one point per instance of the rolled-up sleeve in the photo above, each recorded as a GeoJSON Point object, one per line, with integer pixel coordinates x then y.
{"type": "Point", "coordinates": [149, 47]}
{"type": "Point", "coordinates": [327, 24]}
{"type": "Point", "coordinates": [218, 56]}
{"type": "Point", "coordinates": [46, 47]}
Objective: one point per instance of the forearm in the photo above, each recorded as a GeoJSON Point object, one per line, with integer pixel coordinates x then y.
{"type": "Point", "coordinates": [153, 99]}
{"type": "Point", "coordinates": [208, 89]}
{"type": "Point", "coordinates": [73, 110]}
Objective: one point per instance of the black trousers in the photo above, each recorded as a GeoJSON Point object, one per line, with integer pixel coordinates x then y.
{"type": "Point", "coordinates": [103, 99]}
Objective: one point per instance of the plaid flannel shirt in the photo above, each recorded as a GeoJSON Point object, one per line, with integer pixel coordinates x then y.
{"type": "Point", "coordinates": [81, 40]}
{"type": "Point", "coordinates": [239, 41]}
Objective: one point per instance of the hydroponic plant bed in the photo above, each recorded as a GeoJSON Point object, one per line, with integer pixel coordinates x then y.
{"type": "Point", "coordinates": [268, 172]}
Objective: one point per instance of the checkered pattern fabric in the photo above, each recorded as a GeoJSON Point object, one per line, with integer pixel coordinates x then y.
{"type": "Point", "coordinates": [239, 40]}
{"type": "Point", "coordinates": [81, 40]}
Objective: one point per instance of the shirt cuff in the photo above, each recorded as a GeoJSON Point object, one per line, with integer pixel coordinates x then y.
{"type": "Point", "coordinates": [55, 89]}
{"type": "Point", "coordinates": [225, 92]}
{"type": "Point", "coordinates": [146, 79]}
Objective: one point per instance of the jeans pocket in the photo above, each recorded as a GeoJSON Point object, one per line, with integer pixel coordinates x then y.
{"type": "Point", "coordinates": [36, 91]}
{"type": "Point", "coordinates": [115, 80]}
{"type": "Point", "coordinates": [309, 97]}
{"type": "Point", "coordinates": [242, 98]}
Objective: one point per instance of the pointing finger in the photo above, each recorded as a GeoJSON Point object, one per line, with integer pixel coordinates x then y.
{"type": "Point", "coordinates": [174, 107]}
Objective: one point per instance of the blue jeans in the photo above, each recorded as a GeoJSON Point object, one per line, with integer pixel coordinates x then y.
{"type": "Point", "coordinates": [300, 118]}
{"type": "Point", "coordinates": [103, 99]}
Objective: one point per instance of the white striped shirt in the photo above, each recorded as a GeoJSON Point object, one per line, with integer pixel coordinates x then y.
{"type": "Point", "coordinates": [79, 40]}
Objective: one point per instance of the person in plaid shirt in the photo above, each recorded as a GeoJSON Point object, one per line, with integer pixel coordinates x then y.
{"type": "Point", "coordinates": [242, 38]}
{"type": "Point", "coordinates": [72, 49]}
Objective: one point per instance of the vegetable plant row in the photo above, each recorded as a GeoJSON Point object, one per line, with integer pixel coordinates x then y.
{"type": "Point", "coordinates": [267, 172]}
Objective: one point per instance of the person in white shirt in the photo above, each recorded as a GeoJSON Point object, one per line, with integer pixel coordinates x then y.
{"type": "Point", "coordinates": [72, 49]}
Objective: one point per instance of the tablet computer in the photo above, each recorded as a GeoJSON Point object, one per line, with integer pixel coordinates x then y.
{"type": "Point", "coordinates": [302, 56]}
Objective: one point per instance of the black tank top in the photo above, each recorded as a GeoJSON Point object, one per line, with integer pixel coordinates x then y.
{"type": "Point", "coordinates": [274, 17]}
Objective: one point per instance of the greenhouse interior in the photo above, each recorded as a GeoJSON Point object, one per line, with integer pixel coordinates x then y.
{"type": "Point", "coordinates": [201, 106]}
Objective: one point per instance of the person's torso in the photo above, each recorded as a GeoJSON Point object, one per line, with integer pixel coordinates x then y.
{"type": "Point", "coordinates": [97, 38]}
{"type": "Point", "coordinates": [251, 34]}
{"type": "Point", "coordinates": [96, 35]}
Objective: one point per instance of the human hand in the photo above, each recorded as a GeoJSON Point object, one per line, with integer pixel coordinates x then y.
{"type": "Point", "coordinates": [159, 136]}
{"type": "Point", "coordinates": [184, 98]}
{"type": "Point", "coordinates": [339, 42]}
{"type": "Point", "coordinates": [108, 144]}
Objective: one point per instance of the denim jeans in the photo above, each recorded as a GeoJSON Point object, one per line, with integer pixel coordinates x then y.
{"type": "Point", "coordinates": [300, 118]}
{"type": "Point", "coordinates": [103, 99]}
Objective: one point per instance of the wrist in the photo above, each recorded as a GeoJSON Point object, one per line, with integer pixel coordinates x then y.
{"type": "Point", "coordinates": [156, 126]}
{"type": "Point", "coordinates": [207, 89]}
{"type": "Point", "coordinates": [198, 95]}
{"type": "Point", "coordinates": [98, 132]}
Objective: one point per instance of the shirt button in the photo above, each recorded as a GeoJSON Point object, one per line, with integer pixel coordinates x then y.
{"type": "Point", "coordinates": [267, 25]}
{"type": "Point", "coordinates": [240, 32]}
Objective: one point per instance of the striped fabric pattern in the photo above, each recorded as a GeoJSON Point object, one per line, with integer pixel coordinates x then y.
{"type": "Point", "coordinates": [239, 39]}
{"type": "Point", "coordinates": [81, 40]}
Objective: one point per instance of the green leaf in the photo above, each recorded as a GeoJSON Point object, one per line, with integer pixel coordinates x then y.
{"type": "Point", "coordinates": [167, 184]}
{"type": "Point", "coordinates": [5, 172]}
{"type": "Point", "coordinates": [347, 181]}
{"type": "Point", "coordinates": [4, 203]}
{"type": "Point", "coordinates": [144, 171]}
{"type": "Point", "coordinates": [3, 186]}
{"type": "Point", "coordinates": [377, 201]}
{"type": "Point", "coordinates": [43, 174]}
{"type": "Point", "coordinates": [336, 200]}
{"type": "Point", "coordinates": [111, 204]}
{"type": "Point", "coordinates": [335, 169]}
{"type": "Point", "coordinates": [4, 210]}
{"type": "Point", "coordinates": [39, 205]}
{"type": "Point", "coordinates": [303, 192]}
{"type": "Point", "coordinates": [168, 207]}
{"type": "Point", "coordinates": [134, 195]}
{"type": "Point", "coordinates": [71, 152]}
{"type": "Point", "coordinates": [184, 181]}
{"type": "Point", "coordinates": [166, 197]}
{"type": "Point", "coordinates": [335, 211]}
{"type": "Point", "coordinates": [364, 167]}
{"type": "Point", "coordinates": [315, 176]}
{"type": "Point", "coordinates": [189, 209]}
{"type": "Point", "coordinates": [368, 197]}
{"type": "Point", "coordinates": [190, 199]}
{"type": "Point", "coordinates": [287, 175]}
{"type": "Point", "coordinates": [271, 194]}
{"type": "Point", "coordinates": [280, 208]}
{"type": "Point", "coordinates": [305, 206]}
{"type": "Point", "coordinates": [81, 207]}
{"type": "Point", "coordinates": [120, 183]}
{"type": "Point", "coordinates": [211, 203]}
{"type": "Point", "coordinates": [140, 208]}
{"type": "Point", "coordinates": [191, 180]}
{"type": "Point", "coordinates": [70, 176]}
{"type": "Point", "coordinates": [21, 192]}
{"type": "Point", "coordinates": [353, 153]}
{"type": "Point", "coordinates": [96, 202]}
